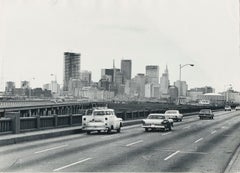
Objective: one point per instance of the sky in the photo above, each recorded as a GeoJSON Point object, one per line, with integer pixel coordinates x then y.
{"type": "Point", "coordinates": [34, 34]}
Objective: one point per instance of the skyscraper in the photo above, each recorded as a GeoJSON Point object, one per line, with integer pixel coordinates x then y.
{"type": "Point", "coordinates": [164, 82]}
{"type": "Point", "coordinates": [71, 68]}
{"type": "Point", "coordinates": [152, 74]}
{"type": "Point", "coordinates": [126, 69]}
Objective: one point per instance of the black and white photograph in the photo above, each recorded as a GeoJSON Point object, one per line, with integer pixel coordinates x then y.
{"type": "Point", "coordinates": [120, 86]}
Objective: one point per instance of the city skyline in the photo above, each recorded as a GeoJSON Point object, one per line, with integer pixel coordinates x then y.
{"type": "Point", "coordinates": [101, 31]}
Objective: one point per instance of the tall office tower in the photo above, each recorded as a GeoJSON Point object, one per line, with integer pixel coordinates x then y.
{"type": "Point", "coordinates": [164, 82]}
{"type": "Point", "coordinates": [152, 74]}
{"type": "Point", "coordinates": [126, 69]}
{"type": "Point", "coordinates": [71, 68]}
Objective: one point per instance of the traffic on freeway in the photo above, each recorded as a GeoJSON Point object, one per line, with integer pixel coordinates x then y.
{"type": "Point", "coordinates": [192, 145]}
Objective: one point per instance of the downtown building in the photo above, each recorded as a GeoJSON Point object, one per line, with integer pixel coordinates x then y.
{"type": "Point", "coordinates": [152, 74]}
{"type": "Point", "coordinates": [126, 69]}
{"type": "Point", "coordinates": [164, 84]}
{"type": "Point", "coordinates": [71, 68]}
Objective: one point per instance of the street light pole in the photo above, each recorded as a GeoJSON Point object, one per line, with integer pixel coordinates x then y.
{"type": "Point", "coordinates": [180, 82]}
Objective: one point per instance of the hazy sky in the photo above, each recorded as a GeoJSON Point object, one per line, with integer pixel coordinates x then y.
{"type": "Point", "coordinates": [35, 33]}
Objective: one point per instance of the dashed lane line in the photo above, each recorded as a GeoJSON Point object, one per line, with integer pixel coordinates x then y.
{"type": "Point", "coordinates": [49, 149]}
{"type": "Point", "coordinates": [173, 154]}
{"type": "Point", "coordinates": [133, 143]}
{"type": "Point", "coordinates": [198, 140]}
{"type": "Point", "coordinates": [213, 132]}
{"type": "Point", "coordinates": [72, 164]}
{"type": "Point", "coordinates": [166, 133]}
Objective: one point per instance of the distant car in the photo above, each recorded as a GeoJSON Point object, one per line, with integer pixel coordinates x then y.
{"type": "Point", "coordinates": [206, 113]}
{"type": "Point", "coordinates": [174, 114]}
{"type": "Point", "coordinates": [101, 119]}
{"type": "Point", "coordinates": [157, 122]}
{"type": "Point", "coordinates": [237, 108]}
{"type": "Point", "coordinates": [227, 108]}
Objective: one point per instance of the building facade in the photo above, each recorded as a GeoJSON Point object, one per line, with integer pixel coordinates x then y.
{"type": "Point", "coordinates": [152, 74]}
{"type": "Point", "coordinates": [182, 88]}
{"type": "Point", "coordinates": [71, 68]}
{"type": "Point", "coordinates": [164, 82]}
{"type": "Point", "coordinates": [126, 69]}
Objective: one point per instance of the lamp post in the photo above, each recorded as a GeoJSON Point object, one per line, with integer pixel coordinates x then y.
{"type": "Point", "coordinates": [180, 83]}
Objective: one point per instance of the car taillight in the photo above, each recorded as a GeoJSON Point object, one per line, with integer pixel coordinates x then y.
{"type": "Point", "coordinates": [84, 119]}
{"type": "Point", "coordinates": [106, 118]}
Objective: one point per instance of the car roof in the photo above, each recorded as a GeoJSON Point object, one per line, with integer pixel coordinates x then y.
{"type": "Point", "coordinates": [157, 114]}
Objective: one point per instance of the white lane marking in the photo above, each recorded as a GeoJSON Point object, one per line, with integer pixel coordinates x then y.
{"type": "Point", "coordinates": [49, 149]}
{"type": "Point", "coordinates": [186, 127]}
{"type": "Point", "coordinates": [198, 140]}
{"type": "Point", "coordinates": [213, 132]}
{"type": "Point", "coordinates": [171, 155]}
{"type": "Point", "coordinates": [72, 164]}
{"type": "Point", "coordinates": [223, 127]}
{"type": "Point", "coordinates": [108, 136]}
{"type": "Point", "coordinates": [166, 133]}
{"type": "Point", "coordinates": [134, 143]}
{"type": "Point", "coordinates": [193, 152]}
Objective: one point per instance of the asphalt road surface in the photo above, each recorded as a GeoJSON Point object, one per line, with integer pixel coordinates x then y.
{"type": "Point", "coordinates": [193, 145]}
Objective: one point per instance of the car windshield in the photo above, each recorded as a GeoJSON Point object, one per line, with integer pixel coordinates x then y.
{"type": "Point", "coordinates": [171, 112]}
{"type": "Point", "coordinates": [205, 111]}
{"type": "Point", "coordinates": [99, 113]}
{"type": "Point", "coordinates": [156, 117]}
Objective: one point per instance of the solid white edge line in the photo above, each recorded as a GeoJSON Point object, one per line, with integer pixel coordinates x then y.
{"type": "Point", "coordinates": [198, 140]}
{"type": "Point", "coordinates": [134, 143]}
{"type": "Point", "coordinates": [171, 155]}
{"type": "Point", "coordinates": [72, 164]}
{"type": "Point", "coordinates": [49, 149]}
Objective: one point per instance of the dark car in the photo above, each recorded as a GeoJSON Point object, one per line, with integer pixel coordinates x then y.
{"type": "Point", "coordinates": [206, 113]}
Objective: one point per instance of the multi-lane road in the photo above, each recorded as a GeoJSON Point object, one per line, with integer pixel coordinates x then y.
{"type": "Point", "coordinates": [192, 146]}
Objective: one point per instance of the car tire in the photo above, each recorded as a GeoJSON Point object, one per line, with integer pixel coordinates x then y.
{"type": "Point", "coordinates": [88, 132]}
{"type": "Point", "coordinates": [146, 129]}
{"type": "Point", "coordinates": [169, 127]}
{"type": "Point", "coordinates": [109, 130]}
{"type": "Point", "coordinates": [119, 130]}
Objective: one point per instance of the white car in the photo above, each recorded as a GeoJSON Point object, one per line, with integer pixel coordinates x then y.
{"type": "Point", "coordinates": [101, 119]}
{"type": "Point", "coordinates": [174, 114]}
{"type": "Point", "coordinates": [157, 122]}
{"type": "Point", "coordinates": [237, 108]}
{"type": "Point", "coordinates": [227, 108]}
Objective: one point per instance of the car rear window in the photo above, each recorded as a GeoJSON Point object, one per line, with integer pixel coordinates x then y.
{"type": "Point", "coordinates": [205, 111]}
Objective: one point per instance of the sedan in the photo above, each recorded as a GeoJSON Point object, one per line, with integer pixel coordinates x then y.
{"type": "Point", "coordinates": [157, 122]}
{"type": "Point", "coordinates": [206, 113]}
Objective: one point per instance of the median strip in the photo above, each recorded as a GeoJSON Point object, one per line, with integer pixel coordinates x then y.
{"type": "Point", "coordinates": [171, 155]}
{"type": "Point", "coordinates": [134, 143]}
{"type": "Point", "coordinates": [49, 149]}
{"type": "Point", "coordinates": [72, 164]}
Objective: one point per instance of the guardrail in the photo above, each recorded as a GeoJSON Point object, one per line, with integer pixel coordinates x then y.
{"type": "Point", "coordinates": [17, 124]}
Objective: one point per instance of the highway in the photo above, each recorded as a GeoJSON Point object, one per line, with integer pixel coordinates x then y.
{"type": "Point", "coordinates": [192, 146]}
